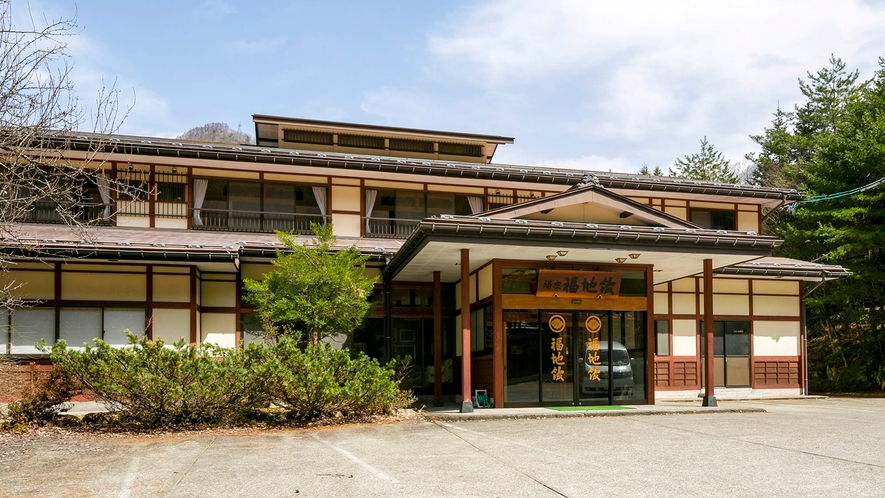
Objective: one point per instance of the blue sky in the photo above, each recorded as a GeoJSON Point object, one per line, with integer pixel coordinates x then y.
{"type": "Point", "coordinates": [583, 84]}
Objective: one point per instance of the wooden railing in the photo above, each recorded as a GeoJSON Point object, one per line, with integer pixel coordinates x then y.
{"type": "Point", "coordinates": [256, 221]}
{"type": "Point", "coordinates": [47, 212]}
{"type": "Point", "coordinates": [390, 227]}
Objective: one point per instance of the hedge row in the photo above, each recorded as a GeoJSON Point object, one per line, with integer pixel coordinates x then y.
{"type": "Point", "coordinates": [152, 383]}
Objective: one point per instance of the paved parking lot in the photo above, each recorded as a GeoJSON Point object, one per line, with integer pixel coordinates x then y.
{"type": "Point", "coordinates": [830, 447]}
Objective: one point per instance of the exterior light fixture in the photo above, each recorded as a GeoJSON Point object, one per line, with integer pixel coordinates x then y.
{"type": "Point", "coordinates": [497, 192]}
{"type": "Point", "coordinates": [174, 170]}
{"type": "Point", "coordinates": [532, 195]}
{"type": "Point", "coordinates": [620, 260]}
{"type": "Point", "coordinates": [562, 253]}
{"type": "Point", "coordinates": [634, 255]}
{"type": "Point", "coordinates": [551, 257]}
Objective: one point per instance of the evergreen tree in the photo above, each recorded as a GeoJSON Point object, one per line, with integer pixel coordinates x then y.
{"type": "Point", "coordinates": [645, 171]}
{"type": "Point", "coordinates": [834, 142]}
{"type": "Point", "coordinates": [314, 290]}
{"type": "Point", "coordinates": [708, 164]}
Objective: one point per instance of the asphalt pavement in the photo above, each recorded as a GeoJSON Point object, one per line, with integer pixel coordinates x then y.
{"type": "Point", "coordinates": [802, 447]}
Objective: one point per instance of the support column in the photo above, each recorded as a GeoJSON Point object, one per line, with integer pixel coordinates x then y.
{"type": "Point", "coordinates": [709, 398]}
{"type": "Point", "coordinates": [437, 339]}
{"type": "Point", "coordinates": [466, 404]}
{"type": "Point", "coordinates": [498, 336]}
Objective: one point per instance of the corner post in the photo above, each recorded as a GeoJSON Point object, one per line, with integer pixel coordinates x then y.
{"type": "Point", "coordinates": [466, 404]}
{"type": "Point", "coordinates": [437, 339]}
{"type": "Point", "coordinates": [709, 397]}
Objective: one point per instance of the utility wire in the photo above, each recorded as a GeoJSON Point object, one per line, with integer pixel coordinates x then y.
{"type": "Point", "coordinates": [837, 195]}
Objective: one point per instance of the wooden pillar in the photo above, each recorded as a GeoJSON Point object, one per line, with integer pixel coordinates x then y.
{"type": "Point", "coordinates": [709, 398]}
{"type": "Point", "coordinates": [466, 404]}
{"type": "Point", "coordinates": [149, 301]}
{"type": "Point", "coordinates": [238, 335]}
{"type": "Point", "coordinates": [650, 335]}
{"type": "Point", "coordinates": [194, 291]}
{"type": "Point", "coordinates": [437, 339]}
{"type": "Point", "coordinates": [497, 335]}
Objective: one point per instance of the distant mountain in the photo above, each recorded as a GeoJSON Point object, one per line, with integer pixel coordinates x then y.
{"type": "Point", "coordinates": [217, 132]}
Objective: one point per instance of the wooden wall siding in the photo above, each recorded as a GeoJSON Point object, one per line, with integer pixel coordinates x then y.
{"type": "Point", "coordinates": [685, 374]}
{"type": "Point", "coordinates": [662, 373]}
{"type": "Point", "coordinates": [482, 375]}
{"type": "Point", "coordinates": [777, 373]}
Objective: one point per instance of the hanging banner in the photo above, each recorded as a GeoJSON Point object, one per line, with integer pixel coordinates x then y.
{"type": "Point", "coordinates": [579, 284]}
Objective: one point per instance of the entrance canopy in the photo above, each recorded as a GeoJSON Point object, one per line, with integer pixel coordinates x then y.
{"type": "Point", "coordinates": [675, 252]}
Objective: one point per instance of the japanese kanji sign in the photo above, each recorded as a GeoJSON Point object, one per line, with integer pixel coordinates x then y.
{"type": "Point", "coordinates": [567, 283]}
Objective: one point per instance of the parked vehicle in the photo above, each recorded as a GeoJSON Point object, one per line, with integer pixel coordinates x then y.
{"type": "Point", "coordinates": [621, 371]}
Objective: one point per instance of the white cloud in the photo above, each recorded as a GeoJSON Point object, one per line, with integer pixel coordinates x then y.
{"type": "Point", "coordinates": [650, 78]}
{"type": "Point", "coordinates": [591, 163]}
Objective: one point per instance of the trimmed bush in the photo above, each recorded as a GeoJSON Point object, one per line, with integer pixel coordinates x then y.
{"type": "Point", "coordinates": [158, 384]}
{"type": "Point", "coordinates": [45, 401]}
{"type": "Point", "coordinates": [318, 381]}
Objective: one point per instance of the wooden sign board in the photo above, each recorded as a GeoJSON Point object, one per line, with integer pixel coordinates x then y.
{"type": "Point", "coordinates": [579, 284]}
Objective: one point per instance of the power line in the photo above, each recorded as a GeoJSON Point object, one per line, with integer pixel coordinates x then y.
{"type": "Point", "coordinates": [837, 195]}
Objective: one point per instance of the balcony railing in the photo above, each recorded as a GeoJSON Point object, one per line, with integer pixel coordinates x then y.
{"type": "Point", "coordinates": [390, 227]}
{"type": "Point", "coordinates": [256, 221]}
{"type": "Point", "coordinates": [496, 201]}
{"type": "Point", "coordinates": [47, 212]}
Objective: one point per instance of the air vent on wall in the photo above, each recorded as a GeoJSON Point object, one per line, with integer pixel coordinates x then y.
{"type": "Point", "coordinates": [362, 141]}
{"type": "Point", "coordinates": [307, 137]}
{"type": "Point", "coordinates": [402, 144]}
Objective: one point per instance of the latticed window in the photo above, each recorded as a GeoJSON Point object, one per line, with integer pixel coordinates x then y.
{"type": "Point", "coordinates": [406, 145]}
{"type": "Point", "coordinates": [307, 137]}
{"type": "Point", "coordinates": [455, 149]}
{"type": "Point", "coordinates": [363, 141]}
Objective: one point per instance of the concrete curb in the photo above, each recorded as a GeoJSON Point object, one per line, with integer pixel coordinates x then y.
{"type": "Point", "coordinates": [542, 413]}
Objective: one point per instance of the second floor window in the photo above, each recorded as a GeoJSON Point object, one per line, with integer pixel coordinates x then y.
{"type": "Point", "coordinates": [396, 212]}
{"type": "Point", "coordinates": [257, 206]}
{"type": "Point", "coordinates": [716, 219]}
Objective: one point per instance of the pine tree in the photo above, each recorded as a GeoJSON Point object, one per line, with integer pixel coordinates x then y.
{"type": "Point", "coordinates": [708, 164]}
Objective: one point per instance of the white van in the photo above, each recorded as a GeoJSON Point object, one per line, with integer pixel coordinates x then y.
{"type": "Point", "coordinates": [622, 372]}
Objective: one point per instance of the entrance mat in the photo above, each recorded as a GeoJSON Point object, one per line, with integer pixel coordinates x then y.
{"type": "Point", "coordinates": [582, 408]}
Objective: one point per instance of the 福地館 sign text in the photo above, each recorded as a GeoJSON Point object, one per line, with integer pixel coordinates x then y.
{"type": "Point", "coordinates": [579, 284]}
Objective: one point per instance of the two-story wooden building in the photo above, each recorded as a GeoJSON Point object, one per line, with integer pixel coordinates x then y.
{"type": "Point", "coordinates": [543, 286]}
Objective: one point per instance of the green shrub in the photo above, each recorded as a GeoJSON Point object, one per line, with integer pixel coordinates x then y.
{"type": "Point", "coordinates": [43, 402]}
{"type": "Point", "coordinates": [318, 381]}
{"type": "Point", "coordinates": [157, 384]}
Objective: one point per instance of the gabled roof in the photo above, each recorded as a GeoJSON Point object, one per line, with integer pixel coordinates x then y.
{"type": "Point", "coordinates": [263, 118]}
{"type": "Point", "coordinates": [591, 194]}
{"type": "Point", "coordinates": [675, 252]}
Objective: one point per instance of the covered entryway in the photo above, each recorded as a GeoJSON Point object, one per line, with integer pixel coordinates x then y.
{"type": "Point", "coordinates": [567, 357]}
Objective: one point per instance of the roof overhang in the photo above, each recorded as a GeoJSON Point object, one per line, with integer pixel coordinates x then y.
{"type": "Point", "coordinates": [623, 183]}
{"type": "Point", "coordinates": [674, 252]}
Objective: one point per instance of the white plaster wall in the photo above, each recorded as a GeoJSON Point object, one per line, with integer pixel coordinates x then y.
{"type": "Point", "coordinates": [776, 305]}
{"type": "Point", "coordinates": [684, 338]}
{"type": "Point", "coordinates": [171, 325]}
{"type": "Point", "coordinates": [219, 329]}
{"type": "Point", "coordinates": [662, 304]}
{"type": "Point", "coordinates": [684, 304]}
{"type": "Point", "coordinates": [775, 338]}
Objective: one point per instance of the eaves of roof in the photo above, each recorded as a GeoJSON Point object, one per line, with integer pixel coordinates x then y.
{"type": "Point", "coordinates": [147, 146]}
{"type": "Point", "coordinates": [527, 231]}
{"type": "Point", "coordinates": [266, 119]}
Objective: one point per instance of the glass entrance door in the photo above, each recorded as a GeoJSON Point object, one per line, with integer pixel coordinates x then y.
{"type": "Point", "coordinates": [594, 332]}
{"type": "Point", "coordinates": [574, 357]}
{"type": "Point", "coordinates": [557, 357]}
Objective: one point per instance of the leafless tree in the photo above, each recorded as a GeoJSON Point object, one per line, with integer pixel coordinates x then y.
{"type": "Point", "coordinates": [39, 113]}
{"type": "Point", "coordinates": [217, 132]}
